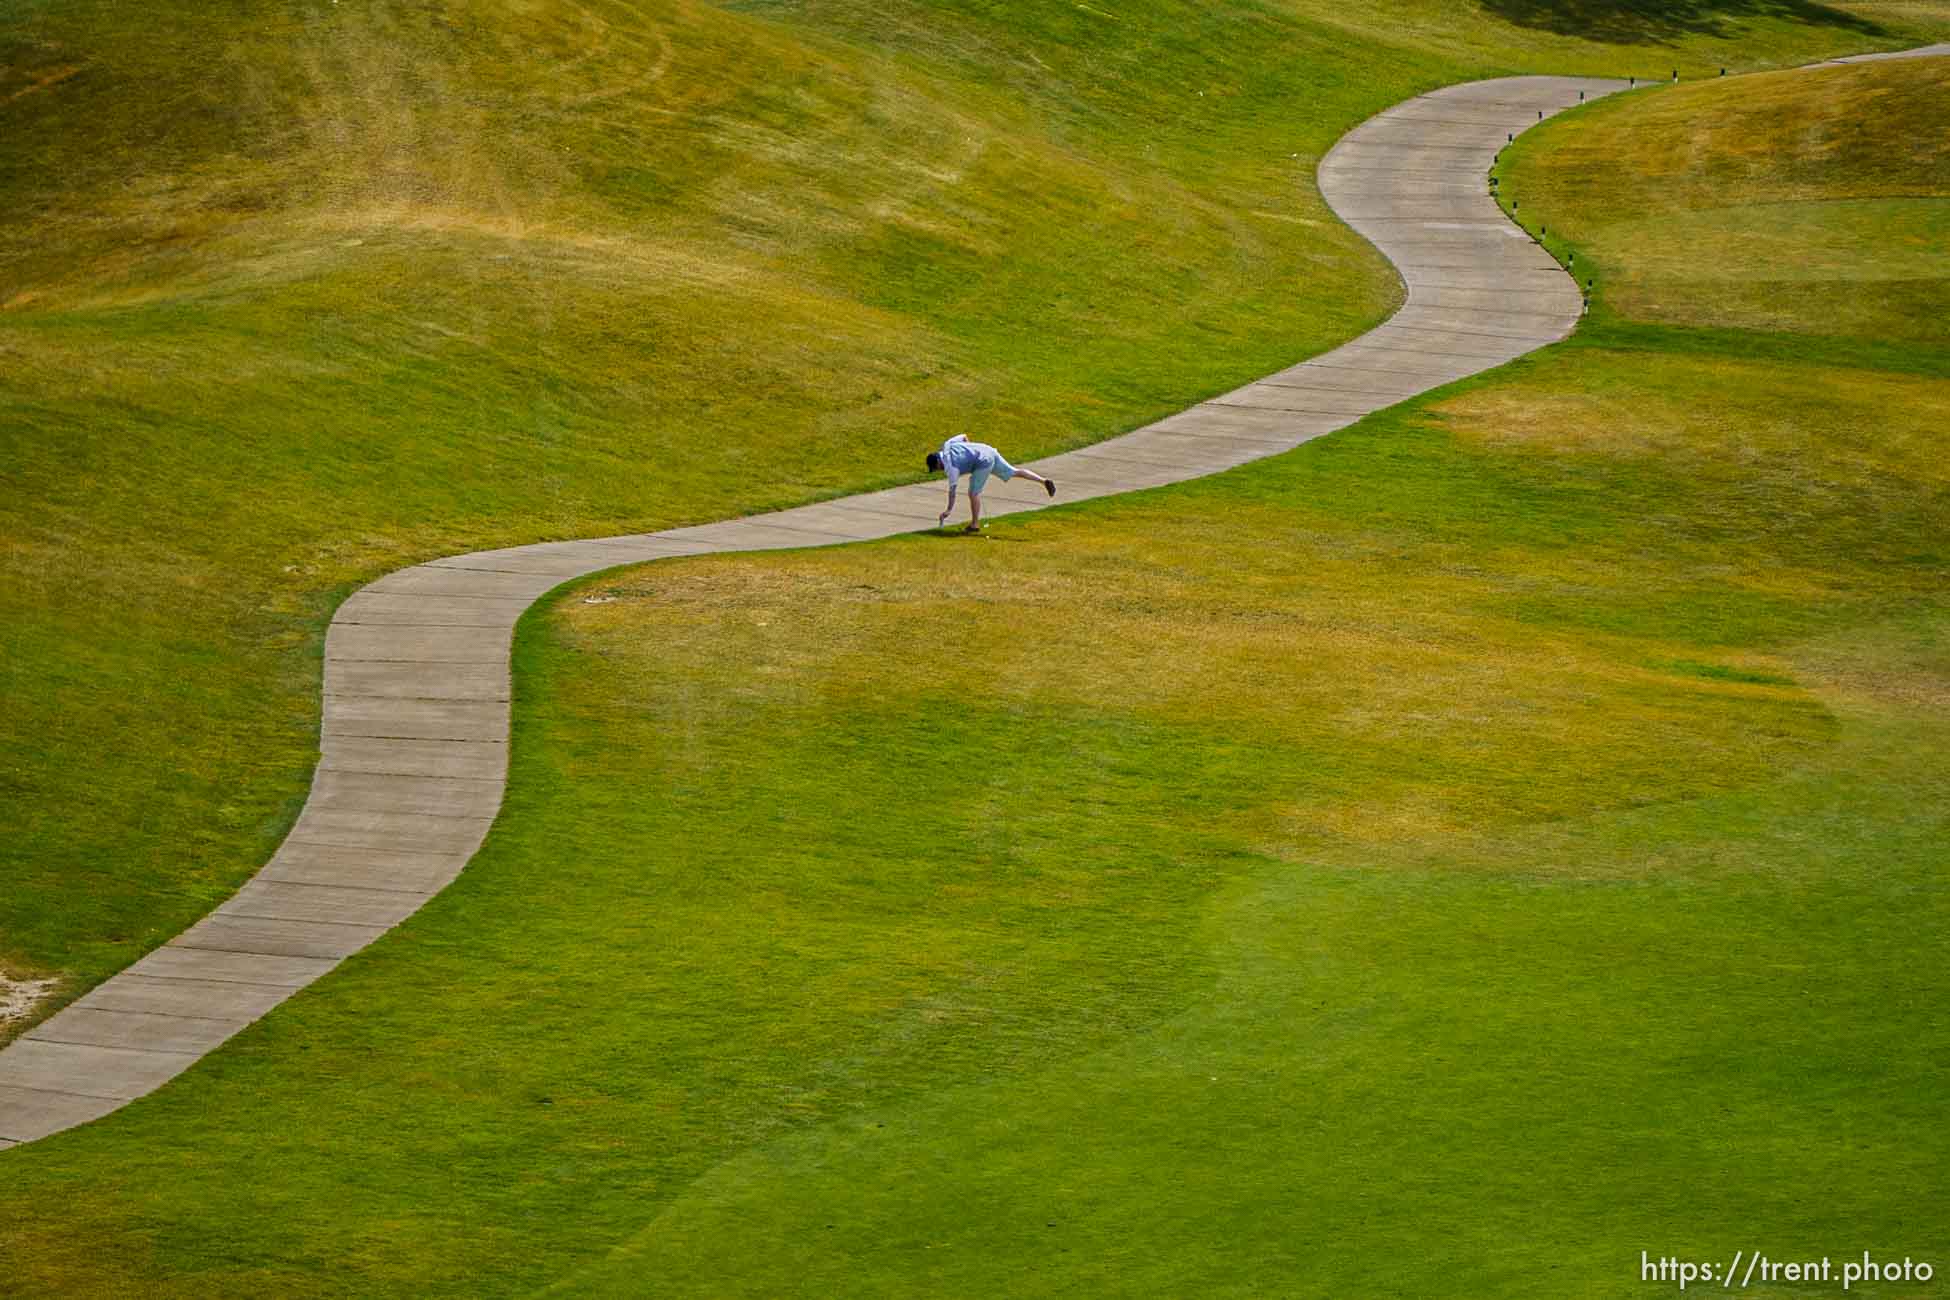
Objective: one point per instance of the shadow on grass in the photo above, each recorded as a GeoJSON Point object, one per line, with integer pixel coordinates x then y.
{"type": "Point", "coordinates": [959, 534]}
{"type": "Point", "coordinates": [1660, 22]}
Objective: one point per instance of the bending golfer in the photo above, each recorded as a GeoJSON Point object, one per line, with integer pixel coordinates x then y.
{"type": "Point", "coordinates": [978, 460]}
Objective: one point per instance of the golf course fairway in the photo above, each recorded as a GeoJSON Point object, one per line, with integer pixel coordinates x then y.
{"type": "Point", "coordinates": [1454, 857]}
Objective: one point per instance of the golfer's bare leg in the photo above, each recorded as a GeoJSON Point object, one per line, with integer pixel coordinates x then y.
{"type": "Point", "coordinates": [1031, 475]}
{"type": "Point", "coordinates": [974, 511]}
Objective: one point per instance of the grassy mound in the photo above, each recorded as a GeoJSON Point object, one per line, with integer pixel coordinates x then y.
{"type": "Point", "coordinates": [1448, 859]}
{"type": "Point", "coordinates": [1808, 203]}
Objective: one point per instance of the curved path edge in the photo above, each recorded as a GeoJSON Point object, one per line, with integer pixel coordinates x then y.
{"type": "Point", "coordinates": [413, 750]}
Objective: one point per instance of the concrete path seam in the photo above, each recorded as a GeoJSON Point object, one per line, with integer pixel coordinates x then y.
{"type": "Point", "coordinates": [413, 738]}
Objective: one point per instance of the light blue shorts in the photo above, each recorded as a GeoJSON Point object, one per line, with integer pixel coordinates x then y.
{"type": "Point", "coordinates": [979, 476]}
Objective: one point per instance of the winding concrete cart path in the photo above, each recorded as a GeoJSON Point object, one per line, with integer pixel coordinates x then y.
{"type": "Point", "coordinates": [416, 702]}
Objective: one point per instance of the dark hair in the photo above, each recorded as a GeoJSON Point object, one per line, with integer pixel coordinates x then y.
{"type": "Point", "coordinates": [934, 462]}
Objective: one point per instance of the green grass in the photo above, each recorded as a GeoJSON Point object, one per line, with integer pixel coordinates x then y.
{"type": "Point", "coordinates": [1786, 203]}
{"type": "Point", "coordinates": [293, 295]}
{"type": "Point", "coordinates": [1448, 859]}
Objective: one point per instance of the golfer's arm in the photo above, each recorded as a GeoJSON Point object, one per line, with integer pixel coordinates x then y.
{"type": "Point", "coordinates": [952, 481]}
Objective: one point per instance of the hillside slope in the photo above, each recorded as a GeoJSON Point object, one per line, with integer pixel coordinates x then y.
{"type": "Point", "coordinates": [290, 295]}
{"type": "Point", "coordinates": [1452, 858]}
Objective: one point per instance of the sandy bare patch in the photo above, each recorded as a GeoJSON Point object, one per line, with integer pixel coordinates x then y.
{"type": "Point", "coordinates": [18, 997]}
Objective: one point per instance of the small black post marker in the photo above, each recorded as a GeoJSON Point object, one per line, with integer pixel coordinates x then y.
{"type": "Point", "coordinates": [1580, 97]}
{"type": "Point", "coordinates": [1570, 259]}
{"type": "Point", "coordinates": [1542, 231]}
{"type": "Point", "coordinates": [1675, 74]}
{"type": "Point", "coordinates": [1509, 137]}
{"type": "Point", "coordinates": [1634, 83]}
{"type": "Point", "coordinates": [1723, 72]}
{"type": "Point", "coordinates": [1588, 285]}
{"type": "Point", "coordinates": [1540, 115]}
